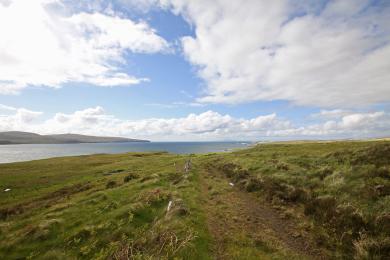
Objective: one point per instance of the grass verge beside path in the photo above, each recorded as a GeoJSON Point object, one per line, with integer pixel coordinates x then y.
{"type": "Point", "coordinates": [99, 207]}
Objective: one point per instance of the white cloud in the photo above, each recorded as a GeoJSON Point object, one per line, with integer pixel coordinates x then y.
{"type": "Point", "coordinates": [208, 125]}
{"type": "Point", "coordinates": [334, 113]}
{"type": "Point", "coordinates": [356, 121]}
{"type": "Point", "coordinates": [6, 108]}
{"type": "Point", "coordinates": [177, 104]}
{"type": "Point", "coordinates": [12, 118]}
{"type": "Point", "coordinates": [290, 50]}
{"type": "Point", "coordinates": [26, 116]}
{"type": "Point", "coordinates": [39, 46]}
{"type": "Point", "coordinates": [349, 124]}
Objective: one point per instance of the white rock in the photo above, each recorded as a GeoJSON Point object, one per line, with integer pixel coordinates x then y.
{"type": "Point", "coordinates": [169, 205]}
{"type": "Point", "coordinates": [231, 184]}
{"type": "Point", "coordinates": [7, 190]}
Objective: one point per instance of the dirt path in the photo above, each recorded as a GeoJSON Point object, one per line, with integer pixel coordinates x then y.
{"type": "Point", "coordinates": [245, 228]}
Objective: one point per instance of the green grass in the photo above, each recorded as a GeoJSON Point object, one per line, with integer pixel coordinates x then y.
{"type": "Point", "coordinates": [66, 208]}
{"type": "Point", "coordinates": [341, 188]}
{"type": "Point", "coordinates": [114, 206]}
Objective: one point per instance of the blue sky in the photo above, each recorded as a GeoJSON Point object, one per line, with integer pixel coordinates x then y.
{"type": "Point", "coordinates": [196, 70]}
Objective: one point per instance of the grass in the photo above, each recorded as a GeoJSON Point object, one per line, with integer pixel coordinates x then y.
{"type": "Point", "coordinates": [334, 195]}
{"type": "Point", "coordinates": [341, 188]}
{"type": "Point", "coordinates": [97, 207]}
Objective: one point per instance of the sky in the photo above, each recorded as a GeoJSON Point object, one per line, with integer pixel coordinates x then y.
{"type": "Point", "coordinates": [205, 70]}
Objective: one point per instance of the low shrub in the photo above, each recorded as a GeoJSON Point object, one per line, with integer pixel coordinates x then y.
{"type": "Point", "coordinates": [324, 172]}
{"type": "Point", "coordinates": [7, 212]}
{"type": "Point", "coordinates": [382, 224]}
{"type": "Point", "coordinates": [82, 235]}
{"type": "Point", "coordinates": [240, 174]}
{"type": "Point", "coordinates": [376, 188]}
{"type": "Point", "coordinates": [113, 172]}
{"type": "Point", "coordinates": [295, 194]}
{"type": "Point", "coordinates": [252, 184]}
{"type": "Point", "coordinates": [43, 230]}
{"type": "Point", "coordinates": [378, 154]}
{"type": "Point", "coordinates": [381, 172]}
{"type": "Point", "coordinates": [161, 241]}
{"type": "Point", "coordinates": [149, 177]}
{"type": "Point", "coordinates": [110, 184]}
{"type": "Point", "coordinates": [339, 157]}
{"type": "Point", "coordinates": [372, 248]}
{"type": "Point", "coordinates": [154, 196]}
{"type": "Point", "coordinates": [233, 171]}
{"type": "Point", "coordinates": [130, 176]}
{"type": "Point", "coordinates": [281, 166]}
{"type": "Point", "coordinates": [345, 222]}
{"type": "Point", "coordinates": [322, 208]}
{"type": "Point", "coordinates": [229, 169]}
{"type": "Point", "coordinates": [349, 218]}
{"type": "Point", "coordinates": [274, 188]}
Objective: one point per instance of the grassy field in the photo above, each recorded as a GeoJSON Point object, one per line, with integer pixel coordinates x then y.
{"type": "Point", "coordinates": [272, 201]}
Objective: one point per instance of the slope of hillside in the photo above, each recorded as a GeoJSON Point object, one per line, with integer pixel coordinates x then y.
{"type": "Point", "coordinates": [15, 137]}
{"type": "Point", "coordinates": [272, 201]}
{"type": "Point", "coordinates": [91, 139]}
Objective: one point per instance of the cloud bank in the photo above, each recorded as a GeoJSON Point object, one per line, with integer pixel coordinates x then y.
{"type": "Point", "coordinates": [41, 46]}
{"type": "Point", "coordinates": [328, 53]}
{"type": "Point", "coordinates": [209, 125]}
{"type": "Point", "coordinates": [324, 53]}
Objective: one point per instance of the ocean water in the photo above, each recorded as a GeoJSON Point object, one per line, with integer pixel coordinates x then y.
{"type": "Point", "coordinates": [27, 152]}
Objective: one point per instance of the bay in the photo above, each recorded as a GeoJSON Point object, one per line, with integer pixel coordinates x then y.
{"type": "Point", "coordinates": [27, 152]}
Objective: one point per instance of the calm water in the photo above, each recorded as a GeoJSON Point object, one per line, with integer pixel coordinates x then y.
{"type": "Point", "coordinates": [27, 152]}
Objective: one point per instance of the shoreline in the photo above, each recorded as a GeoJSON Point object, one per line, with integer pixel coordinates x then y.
{"type": "Point", "coordinates": [30, 152]}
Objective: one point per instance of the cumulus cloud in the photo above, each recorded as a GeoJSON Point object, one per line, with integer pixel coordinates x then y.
{"type": "Point", "coordinates": [356, 121]}
{"type": "Point", "coordinates": [300, 51]}
{"type": "Point", "coordinates": [209, 125]}
{"type": "Point", "coordinates": [12, 118]}
{"type": "Point", "coordinates": [41, 46]}
{"type": "Point", "coordinates": [351, 125]}
{"type": "Point", "coordinates": [334, 113]}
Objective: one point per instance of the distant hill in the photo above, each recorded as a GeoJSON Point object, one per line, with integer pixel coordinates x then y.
{"type": "Point", "coordinates": [16, 137]}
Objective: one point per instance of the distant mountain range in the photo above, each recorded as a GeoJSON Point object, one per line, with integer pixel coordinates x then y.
{"type": "Point", "coordinates": [16, 137]}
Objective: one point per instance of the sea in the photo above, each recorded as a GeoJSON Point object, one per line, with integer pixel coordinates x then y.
{"type": "Point", "coordinates": [28, 152]}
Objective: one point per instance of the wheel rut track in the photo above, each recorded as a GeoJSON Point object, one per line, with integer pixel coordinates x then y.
{"type": "Point", "coordinates": [245, 214]}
